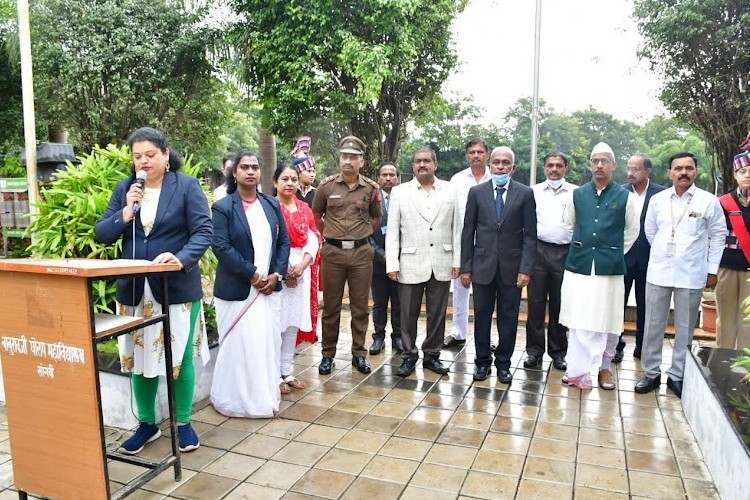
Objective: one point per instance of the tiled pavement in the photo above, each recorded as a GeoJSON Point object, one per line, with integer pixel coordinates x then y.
{"type": "Point", "coordinates": [353, 436]}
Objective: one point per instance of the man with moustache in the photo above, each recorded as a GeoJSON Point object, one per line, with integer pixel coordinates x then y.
{"type": "Point", "coordinates": [498, 249]}
{"type": "Point", "coordinates": [552, 199]}
{"type": "Point", "coordinates": [477, 154]}
{"type": "Point", "coordinates": [636, 260]}
{"type": "Point", "coordinates": [732, 286]}
{"type": "Point", "coordinates": [384, 289]}
{"type": "Point", "coordinates": [603, 221]}
{"type": "Point", "coordinates": [686, 228]}
{"type": "Point", "coordinates": [422, 247]}
{"type": "Point", "coordinates": [346, 209]}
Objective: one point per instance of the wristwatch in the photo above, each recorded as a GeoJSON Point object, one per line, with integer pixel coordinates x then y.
{"type": "Point", "coordinates": [279, 276]}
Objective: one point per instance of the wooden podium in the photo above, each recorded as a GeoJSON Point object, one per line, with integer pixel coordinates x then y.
{"type": "Point", "coordinates": [48, 337]}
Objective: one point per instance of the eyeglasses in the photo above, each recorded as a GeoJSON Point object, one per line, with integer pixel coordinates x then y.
{"type": "Point", "coordinates": [603, 161]}
{"type": "Point", "coordinates": [634, 169]}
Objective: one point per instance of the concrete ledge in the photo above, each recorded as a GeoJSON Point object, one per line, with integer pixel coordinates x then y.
{"type": "Point", "coordinates": [723, 450]}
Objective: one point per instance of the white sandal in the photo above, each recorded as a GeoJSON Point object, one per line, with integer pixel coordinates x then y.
{"type": "Point", "coordinates": [293, 382]}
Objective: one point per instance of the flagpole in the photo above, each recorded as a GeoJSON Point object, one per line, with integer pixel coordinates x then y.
{"type": "Point", "coordinates": [535, 98]}
{"type": "Point", "coordinates": [27, 85]}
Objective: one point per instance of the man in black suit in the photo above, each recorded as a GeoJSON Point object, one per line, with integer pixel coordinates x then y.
{"type": "Point", "coordinates": [636, 260]}
{"type": "Point", "coordinates": [498, 248]}
{"type": "Point", "coordinates": [383, 288]}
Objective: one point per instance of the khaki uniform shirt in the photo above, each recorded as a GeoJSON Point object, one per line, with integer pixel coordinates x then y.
{"type": "Point", "coordinates": [347, 212]}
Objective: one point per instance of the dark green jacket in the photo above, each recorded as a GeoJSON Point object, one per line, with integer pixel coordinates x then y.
{"type": "Point", "coordinates": [599, 231]}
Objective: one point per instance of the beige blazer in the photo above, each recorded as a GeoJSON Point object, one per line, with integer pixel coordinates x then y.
{"type": "Point", "coordinates": [419, 244]}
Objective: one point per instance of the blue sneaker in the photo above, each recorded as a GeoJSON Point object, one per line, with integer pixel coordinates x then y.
{"type": "Point", "coordinates": [145, 434]}
{"type": "Point", "coordinates": [187, 437]}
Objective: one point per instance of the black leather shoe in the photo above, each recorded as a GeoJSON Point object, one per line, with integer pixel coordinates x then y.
{"type": "Point", "coordinates": [325, 366]}
{"type": "Point", "coordinates": [637, 353]}
{"type": "Point", "coordinates": [482, 372]}
{"type": "Point", "coordinates": [397, 344]}
{"type": "Point", "coordinates": [532, 360]}
{"type": "Point", "coordinates": [407, 367]}
{"type": "Point", "coordinates": [559, 363]}
{"type": "Point", "coordinates": [377, 346]}
{"type": "Point", "coordinates": [434, 364]}
{"type": "Point", "coordinates": [450, 342]}
{"type": "Point", "coordinates": [647, 384]}
{"type": "Point", "coordinates": [676, 386]}
{"type": "Point", "coordinates": [504, 376]}
{"type": "Point", "coordinates": [619, 354]}
{"type": "Point", "coordinates": [361, 364]}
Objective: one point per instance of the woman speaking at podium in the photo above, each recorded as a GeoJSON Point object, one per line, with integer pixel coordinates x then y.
{"type": "Point", "coordinates": [162, 216]}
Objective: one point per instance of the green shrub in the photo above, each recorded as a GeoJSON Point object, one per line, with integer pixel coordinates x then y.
{"type": "Point", "coordinates": [72, 203]}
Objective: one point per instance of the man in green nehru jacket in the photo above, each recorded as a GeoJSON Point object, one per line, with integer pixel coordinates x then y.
{"type": "Point", "coordinates": [604, 222]}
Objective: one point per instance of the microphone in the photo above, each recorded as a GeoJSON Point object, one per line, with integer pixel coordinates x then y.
{"type": "Point", "coordinates": [140, 179]}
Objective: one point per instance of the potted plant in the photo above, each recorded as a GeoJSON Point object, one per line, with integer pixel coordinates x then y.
{"type": "Point", "coordinates": [708, 310]}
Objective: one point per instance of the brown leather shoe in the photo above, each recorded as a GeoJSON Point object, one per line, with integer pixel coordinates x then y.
{"type": "Point", "coordinates": [606, 381]}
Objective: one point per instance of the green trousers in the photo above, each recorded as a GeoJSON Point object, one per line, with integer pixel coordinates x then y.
{"type": "Point", "coordinates": [145, 389]}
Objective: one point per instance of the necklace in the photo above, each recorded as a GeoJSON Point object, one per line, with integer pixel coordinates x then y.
{"type": "Point", "coordinates": [249, 201]}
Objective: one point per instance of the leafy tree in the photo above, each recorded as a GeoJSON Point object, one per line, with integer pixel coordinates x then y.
{"type": "Point", "coordinates": [11, 108]}
{"type": "Point", "coordinates": [445, 127]}
{"type": "Point", "coordinates": [106, 67]}
{"type": "Point", "coordinates": [701, 49]}
{"type": "Point", "coordinates": [372, 64]}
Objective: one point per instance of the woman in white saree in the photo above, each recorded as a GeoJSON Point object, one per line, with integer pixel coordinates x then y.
{"type": "Point", "coordinates": [251, 244]}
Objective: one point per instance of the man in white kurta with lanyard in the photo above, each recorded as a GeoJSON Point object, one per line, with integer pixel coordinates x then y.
{"type": "Point", "coordinates": [604, 222]}
{"type": "Point", "coordinates": [686, 228]}
{"type": "Point", "coordinates": [477, 154]}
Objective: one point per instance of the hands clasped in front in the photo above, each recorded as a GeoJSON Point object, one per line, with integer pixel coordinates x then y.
{"type": "Point", "coordinates": [265, 284]}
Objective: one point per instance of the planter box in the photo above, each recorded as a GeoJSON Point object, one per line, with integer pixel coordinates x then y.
{"type": "Point", "coordinates": [713, 399]}
{"type": "Point", "coordinates": [118, 404]}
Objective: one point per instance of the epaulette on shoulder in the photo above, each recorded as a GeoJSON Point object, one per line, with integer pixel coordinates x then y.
{"type": "Point", "coordinates": [327, 179]}
{"type": "Point", "coordinates": [371, 182]}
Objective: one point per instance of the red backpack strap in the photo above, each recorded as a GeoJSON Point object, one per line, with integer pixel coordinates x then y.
{"type": "Point", "coordinates": [737, 222]}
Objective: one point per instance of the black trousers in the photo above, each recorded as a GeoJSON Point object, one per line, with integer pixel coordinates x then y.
{"type": "Point", "coordinates": [507, 297]}
{"type": "Point", "coordinates": [544, 289]}
{"type": "Point", "coordinates": [636, 274]}
{"type": "Point", "coordinates": [385, 290]}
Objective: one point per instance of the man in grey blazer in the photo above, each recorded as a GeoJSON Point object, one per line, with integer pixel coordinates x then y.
{"type": "Point", "coordinates": [498, 248]}
{"type": "Point", "coordinates": [422, 248]}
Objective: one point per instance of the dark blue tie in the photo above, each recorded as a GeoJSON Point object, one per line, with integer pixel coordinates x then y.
{"type": "Point", "coordinates": [499, 203]}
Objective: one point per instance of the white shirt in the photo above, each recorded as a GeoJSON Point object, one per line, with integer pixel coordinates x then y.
{"type": "Point", "coordinates": [640, 199]}
{"type": "Point", "coordinates": [220, 192]}
{"type": "Point", "coordinates": [505, 191]}
{"type": "Point", "coordinates": [551, 212]}
{"type": "Point", "coordinates": [699, 234]}
{"type": "Point", "coordinates": [462, 182]}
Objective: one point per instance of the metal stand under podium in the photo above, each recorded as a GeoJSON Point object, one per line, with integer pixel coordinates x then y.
{"type": "Point", "coordinates": [48, 339]}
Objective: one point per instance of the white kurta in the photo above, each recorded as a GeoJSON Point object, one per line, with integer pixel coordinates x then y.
{"type": "Point", "coordinates": [597, 303]}
{"type": "Point", "coordinates": [593, 307]}
{"type": "Point", "coordinates": [295, 302]}
{"type": "Point", "coordinates": [246, 377]}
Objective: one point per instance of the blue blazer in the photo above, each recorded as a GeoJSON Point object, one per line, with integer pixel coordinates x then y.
{"type": "Point", "coordinates": [233, 245]}
{"type": "Point", "coordinates": [182, 227]}
{"type": "Point", "coordinates": [507, 245]}
{"type": "Point", "coordinates": [637, 256]}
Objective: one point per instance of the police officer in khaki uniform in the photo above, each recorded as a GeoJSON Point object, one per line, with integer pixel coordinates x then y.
{"type": "Point", "coordinates": [347, 211]}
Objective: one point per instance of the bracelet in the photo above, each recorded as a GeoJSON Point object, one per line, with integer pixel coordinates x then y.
{"type": "Point", "coordinates": [253, 283]}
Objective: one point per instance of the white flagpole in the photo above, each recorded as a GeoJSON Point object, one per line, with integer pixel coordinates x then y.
{"type": "Point", "coordinates": [535, 98]}
{"type": "Point", "coordinates": [27, 84]}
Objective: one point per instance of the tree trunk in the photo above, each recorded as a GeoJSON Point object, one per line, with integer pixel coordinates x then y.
{"type": "Point", "coordinates": [267, 146]}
